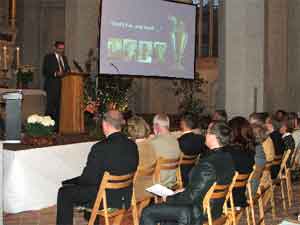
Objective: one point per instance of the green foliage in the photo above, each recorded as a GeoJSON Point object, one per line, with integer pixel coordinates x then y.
{"type": "Point", "coordinates": [38, 130]}
{"type": "Point", "coordinates": [24, 76]}
{"type": "Point", "coordinates": [113, 91]}
{"type": "Point", "coordinates": [189, 92]}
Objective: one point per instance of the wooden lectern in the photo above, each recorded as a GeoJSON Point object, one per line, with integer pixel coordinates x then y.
{"type": "Point", "coordinates": [71, 105]}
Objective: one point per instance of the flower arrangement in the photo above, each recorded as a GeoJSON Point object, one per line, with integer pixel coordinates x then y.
{"type": "Point", "coordinates": [24, 75]}
{"type": "Point", "coordinates": [39, 126]}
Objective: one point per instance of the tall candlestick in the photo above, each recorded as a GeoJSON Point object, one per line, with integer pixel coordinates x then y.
{"type": "Point", "coordinates": [18, 58]}
{"type": "Point", "coordinates": [13, 13]}
{"type": "Point", "coordinates": [4, 57]}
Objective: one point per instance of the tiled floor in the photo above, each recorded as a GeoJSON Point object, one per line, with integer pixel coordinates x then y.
{"type": "Point", "coordinates": [47, 216]}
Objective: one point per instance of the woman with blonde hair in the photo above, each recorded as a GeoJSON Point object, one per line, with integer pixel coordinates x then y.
{"type": "Point", "coordinates": [139, 131]}
{"type": "Point", "coordinates": [138, 128]}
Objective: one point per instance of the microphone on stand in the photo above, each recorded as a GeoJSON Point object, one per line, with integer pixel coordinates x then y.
{"type": "Point", "coordinates": [116, 68]}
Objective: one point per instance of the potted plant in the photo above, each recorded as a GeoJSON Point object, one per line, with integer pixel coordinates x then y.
{"type": "Point", "coordinates": [24, 76]}
{"type": "Point", "coordinates": [39, 130]}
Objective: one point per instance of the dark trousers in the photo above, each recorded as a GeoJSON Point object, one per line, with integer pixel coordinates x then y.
{"type": "Point", "coordinates": [70, 196]}
{"type": "Point", "coordinates": [53, 90]}
{"type": "Point", "coordinates": [167, 214]}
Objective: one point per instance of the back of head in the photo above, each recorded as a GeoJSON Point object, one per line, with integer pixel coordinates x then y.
{"type": "Point", "coordinates": [220, 115]}
{"type": "Point", "coordinates": [260, 133]}
{"type": "Point", "coordinates": [242, 133]}
{"type": "Point", "coordinates": [114, 118]}
{"type": "Point", "coordinates": [138, 127]}
{"type": "Point", "coordinates": [222, 132]}
{"type": "Point", "coordinates": [161, 120]}
{"type": "Point", "coordinates": [189, 121]}
{"type": "Point", "coordinates": [258, 118]}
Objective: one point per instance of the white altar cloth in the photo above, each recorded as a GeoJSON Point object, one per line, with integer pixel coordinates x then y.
{"type": "Point", "coordinates": [32, 177]}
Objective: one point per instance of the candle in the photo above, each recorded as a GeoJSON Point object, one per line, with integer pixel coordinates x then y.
{"type": "Point", "coordinates": [4, 57]}
{"type": "Point", "coordinates": [18, 58]}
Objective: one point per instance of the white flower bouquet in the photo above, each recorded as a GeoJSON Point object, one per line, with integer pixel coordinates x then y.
{"type": "Point", "coordinates": [39, 126]}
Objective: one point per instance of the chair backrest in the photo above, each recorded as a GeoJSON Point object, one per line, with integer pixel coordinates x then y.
{"type": "Point", "coordinates": [239, 181]}
{"type": "Point", "coordinates": [188, 159]}
{"type": "Point", "coordinates": [146, 171]}
{"type": "Point", "coordinates": [166, 164]}
{"type": "Point", "coordinates": [277, 160]}
{"type": "Point", "coordinates": [110, 182]}
{"type": "Point", "coordinates": [217, 191]}
{"type": "Point", "coordinates": [185, 160]}
{"type": "Point", "coordinates": [283, 165]}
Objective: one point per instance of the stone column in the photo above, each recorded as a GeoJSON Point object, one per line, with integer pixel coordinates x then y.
{"type": "Point", "coordinates": [241, 57]}
{"type": "Point", "coordinates": [276, 79]}
{"type": "Point", "coordinates": [81, 29]}
{"type": "Point", "coordinates": [293, 55]}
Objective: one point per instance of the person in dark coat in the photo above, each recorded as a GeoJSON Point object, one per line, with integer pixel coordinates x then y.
{"type": "Point", "coordinates": [242, 151]}
{"type": "Point", "coordinates": [185, 208]}
{"type": "Point", "coordinates": [116, 154]}
{"type": "Point", "coordinates": [55, 65]}
{"type": "Point", "coordinates": [190, 143]}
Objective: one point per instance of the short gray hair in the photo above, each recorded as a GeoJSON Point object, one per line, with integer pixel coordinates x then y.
{"type": "Point", "coordinates": [114, 118]}
{"type": "Point", "coordinates": [162, 120]}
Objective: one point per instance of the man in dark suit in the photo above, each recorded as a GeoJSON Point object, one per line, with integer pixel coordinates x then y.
{"type": "Point", "coordinates": [185, 208]}
{"type": "Point", "coordinates": [115, 154]}
{"type": "Point", "coordinates": [190, 143]}
{"type": "Point", "coordinates": [54, 67]}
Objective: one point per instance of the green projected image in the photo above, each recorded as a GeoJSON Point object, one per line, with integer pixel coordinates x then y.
{"type": "Point", "coordinates": [145, 52]}
{"type": "Point", "coordinates": [115, 48]}
{"type": "Point", "coordinates": [130, 50]}
{"type": "Point", "coordinates": [159, 52]}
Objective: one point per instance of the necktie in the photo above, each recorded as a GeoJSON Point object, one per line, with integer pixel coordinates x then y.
{"type": "Point", "coordinates": [61, 64]}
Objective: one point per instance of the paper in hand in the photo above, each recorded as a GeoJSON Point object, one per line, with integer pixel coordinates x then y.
{"type": "Point", "coordinates": [160, 190]}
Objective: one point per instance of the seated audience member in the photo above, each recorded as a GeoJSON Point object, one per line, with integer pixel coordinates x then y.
{"type": "Point", "coordinates": [260, 134]}
{"type": "Point", "coordinates": [260, 119]}
{"type": "Point", "coordinates": [242, 151]}
{"type": "Point", "coordinates": [220, 115]}
{"type": "Point", "coordinates": [273, 127]}
{"type": "Point", "coordinates": [190, 144]}
{"type": "Point", "coordinates": [268, 146]}
{"type": "Point", "coordinates": [165, 145]}
{"type": "Point", "coordinates": [280, 115]}
{"type": "Point", "coordinates": [286, 129]}
{"type": "Point", "coordinates": [115, 154]}
{"type": "Point", "coordinates": [185, 208]}
{"type": "Point", "coordinates": [203, 124]}
{"type": "Point", "coordinates": [139, 130]}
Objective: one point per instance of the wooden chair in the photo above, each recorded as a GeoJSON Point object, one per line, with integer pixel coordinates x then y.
{"type": "Point", "coordinates": [164, 164]}
{"type": "Point", "coordinates": [218, 191]}
{"type": "Point", "coordinates": [265, 194]}
{"type": "Point", "coordinates": [252, 201]}
{"type": "Point", "coordinates": [185, 160]}
{"type": "Point", "coordinates": [147, 171]}
{"type": "Point", "coordinates": [241, 181]}
{"type": "Point", "coordinates": [113, 182]}
{"type": "Point", "coordinates": [284, 176]}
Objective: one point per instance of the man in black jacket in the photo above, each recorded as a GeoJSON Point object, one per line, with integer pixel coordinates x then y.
{"type": "Point", "coordinates": [115, 154]}
{"type": "Point", "coordinates": [54, 67]}
{"type": "Point", "coordinates": [190, 143]}
{"type": "Point", "coordinates": [185, 208]}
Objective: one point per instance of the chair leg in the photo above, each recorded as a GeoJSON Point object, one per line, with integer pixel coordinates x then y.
{"type": "Point", "coordinates": [248, 216]}
{"type": "Point", "coordinates": [261, 210]}
{"type": "Point", "coordinates": [283, 195]}
{"type": "Point", "coordinates": [289, 188]}
{"type": "Point", "coordinates": [118, 219]}
{"type": "Point", "coordinates": [273, 201]}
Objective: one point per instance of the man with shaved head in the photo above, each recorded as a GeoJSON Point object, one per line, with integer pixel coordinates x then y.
{"type": "Point", "coordinates": [115, 154]}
